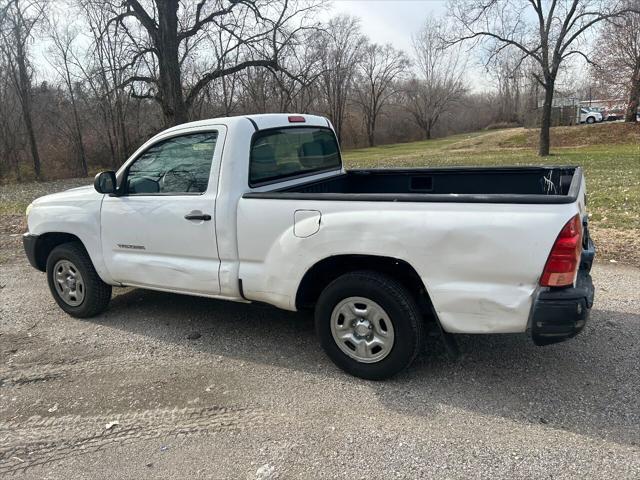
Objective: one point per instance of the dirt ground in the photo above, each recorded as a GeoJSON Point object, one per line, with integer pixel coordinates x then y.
{"type": "Point", "coordinates": [133, 393]}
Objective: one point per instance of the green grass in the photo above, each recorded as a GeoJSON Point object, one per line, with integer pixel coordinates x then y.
{"type": "Point", "coordinates": [13, 208]}
{"type": "Point", "coordinates": [612, 171]}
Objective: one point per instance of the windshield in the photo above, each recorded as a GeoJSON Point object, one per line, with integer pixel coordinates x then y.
{"type": "Point", "coordinates": [287, 152]}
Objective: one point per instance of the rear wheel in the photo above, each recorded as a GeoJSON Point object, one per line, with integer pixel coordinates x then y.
{"type": "Point", "coordinates": [369, 325]}
{"type": "Point", "coordinates": [74, 283]}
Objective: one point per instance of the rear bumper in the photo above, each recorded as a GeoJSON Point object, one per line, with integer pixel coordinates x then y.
{"type": "Point", "coordinates": [29, 242]}
{"type": "Point", "coordinates": [560, 314]}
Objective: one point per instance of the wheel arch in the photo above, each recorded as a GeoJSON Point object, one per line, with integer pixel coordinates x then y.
{"type": "Point", "coordinates": [47, 242]}
{"type": "Point", "coordinates": [328, 269]}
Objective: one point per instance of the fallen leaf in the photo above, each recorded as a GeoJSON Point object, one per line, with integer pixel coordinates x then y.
{"type": "Point", "coordinates": [110, 425]}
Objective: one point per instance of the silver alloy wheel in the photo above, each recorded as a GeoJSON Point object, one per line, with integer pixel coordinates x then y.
{"type": "Point", "coordinates": [68, 282]}
{"type": "Point", "coordinates": [362, 329]}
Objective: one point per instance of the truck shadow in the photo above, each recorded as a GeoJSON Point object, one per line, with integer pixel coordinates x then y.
{"type": "Point", "coordinates": [579, 386]}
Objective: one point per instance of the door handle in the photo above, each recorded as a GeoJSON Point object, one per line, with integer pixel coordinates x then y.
{"type": "Point", "coordinates": [198, 216]}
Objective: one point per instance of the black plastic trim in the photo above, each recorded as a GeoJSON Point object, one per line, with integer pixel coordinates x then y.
{"type": "Point", "coordinates": [30, 241]}
{"type": "Point", "coordinates": [558, 314]}
{"type": "Point", "coordinates": [203, 217]}
{"type": "Point", "coordinates": [159, 194]}
{"type": "Point", "coordinates": [588, 247]}
{"type": "Point", "coordinates": [411, 197]}
{"type": "Point", "coordinates": [253, 122]}
{"type": "Point", "coordinates": [292, 177]}
{"type": "Point", "coordinates": [241, 289]}
{"type": "Point", "coordinates": [571, 197]}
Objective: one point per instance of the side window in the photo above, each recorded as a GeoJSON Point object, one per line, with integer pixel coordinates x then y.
{"type": "Point", "coordinates": [179, 165]}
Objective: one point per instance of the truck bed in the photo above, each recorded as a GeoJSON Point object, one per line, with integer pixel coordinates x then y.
{"type": "Point", "coordinates": [453, 184]}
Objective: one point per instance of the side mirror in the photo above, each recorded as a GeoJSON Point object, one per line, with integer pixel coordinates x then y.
{"type": "Point", "coordinates": [105, 182]}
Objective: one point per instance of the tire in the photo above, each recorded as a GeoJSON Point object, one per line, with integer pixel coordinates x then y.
{"type": "Point", "coordinates": [74, 283]}
{"type": "Point", "coordinates": [591, 120]}
{"type": "Point", "coordinates": [385, 300]}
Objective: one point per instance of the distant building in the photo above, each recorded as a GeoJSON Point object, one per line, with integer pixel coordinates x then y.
{"type": "Point", "coordinates": [607, 104]}
{"type": "Point", "coordinates": [562, 101]}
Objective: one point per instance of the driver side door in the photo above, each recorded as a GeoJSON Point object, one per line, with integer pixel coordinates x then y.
{"type": "Point", "coordinates": [159, 231]}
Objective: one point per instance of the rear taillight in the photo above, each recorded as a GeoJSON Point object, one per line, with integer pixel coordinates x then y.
{"type": "Point", "coordinates": [564, 259]}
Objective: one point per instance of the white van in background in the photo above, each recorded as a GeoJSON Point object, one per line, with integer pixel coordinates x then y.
{"type": "Point", "coordinates": [589, 116]}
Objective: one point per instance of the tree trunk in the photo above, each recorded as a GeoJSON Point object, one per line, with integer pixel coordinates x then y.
{"type": "Point", "coordinates": [76, 118]}
{"type": "Point", "coordinates": [80, 143]}
{"type": "Point", "coordinates": [631, 115]}
{"type": "Point", "coordinates": [545, 122]}
{"type": "Point", "coordinates": [25, 97]}
{"type": "Point", "coordinates": [33, 145]}
{"type": "Point", "coordinates": [170, 83]}
{"type": "Point", "coordinates": [121, 132]}
{"type": "Point", "coordinates": [371, 132]}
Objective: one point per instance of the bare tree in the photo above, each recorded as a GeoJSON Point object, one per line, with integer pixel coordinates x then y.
{"type": "Point", "coordinates": [379, 71]}
{"type": "Point", "coordinates": [163, 35]}
{"type": "Point", "coordinates": [103, 73]}
{"type": "Point", "coordinates": [548, 32]}
{"type": "Point", "coordinates": [19, 20]}
{"type": "Point", "coordinates": [61, 59]}
{"type": "Point", "coordinates": [510, 76]}
{"type": "Point", "coordinates": [340, 48]}
{"type": "Point", "coordinates": [10, 123]}
{"type": "Point", "coordinates": [297, 80]}
{"type": "Point", "coordinates": [618, 48]}
{"type": "Point", "coordinates": [440, 84]}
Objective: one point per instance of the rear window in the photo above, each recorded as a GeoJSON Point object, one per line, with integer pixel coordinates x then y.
{"type": "Point", "coordinates": [287, 152]}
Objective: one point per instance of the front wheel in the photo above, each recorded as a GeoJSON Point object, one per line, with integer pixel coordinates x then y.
{"type": "Point", "coordinates": [369, 325]}
{"type": "Point", "coordinates": [74, 282]}
{"type": "Point", "coordinates": [591, 120]}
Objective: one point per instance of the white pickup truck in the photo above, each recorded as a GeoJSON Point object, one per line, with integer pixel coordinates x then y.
{"type": "Point", "coordinates": [260, 209]}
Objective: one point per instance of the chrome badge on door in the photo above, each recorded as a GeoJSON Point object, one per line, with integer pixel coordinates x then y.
{"type": "Point", "coordinates": [131, 247]}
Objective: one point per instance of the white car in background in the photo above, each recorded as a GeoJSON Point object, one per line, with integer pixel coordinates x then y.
{"type": "Point", "coordinates": [589, 116]}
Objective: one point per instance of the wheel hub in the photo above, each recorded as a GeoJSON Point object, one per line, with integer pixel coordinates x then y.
{"type": "Point", "coordinates": [362, 327]}
{"type": "Point", "coordinates": [68, 282]}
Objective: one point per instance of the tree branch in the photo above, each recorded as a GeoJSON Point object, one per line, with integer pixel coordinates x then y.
{"type": "Point", "coordinates": [200, 22]}
{"type": "Point", "coordinates": [474, 35]}
{"type": "Point", "coordinates": [136, 78]}
{"type": "Point", "coordinates": [140, 13]}
{"type": "Point", "coordinates": [221, 72]}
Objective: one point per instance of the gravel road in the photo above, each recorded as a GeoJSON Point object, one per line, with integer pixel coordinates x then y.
{"type": "Point", "coordinates": [129, 395]}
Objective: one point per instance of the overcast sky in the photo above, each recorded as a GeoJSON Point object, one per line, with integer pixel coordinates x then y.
{"type": "Point", "coordinates": [390, 21]}
{"type": "Point", "coordinates": [395, 21]}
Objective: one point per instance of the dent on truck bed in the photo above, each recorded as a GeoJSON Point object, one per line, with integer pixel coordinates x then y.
{"type": "Point", "coordinates": [472, 308]}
